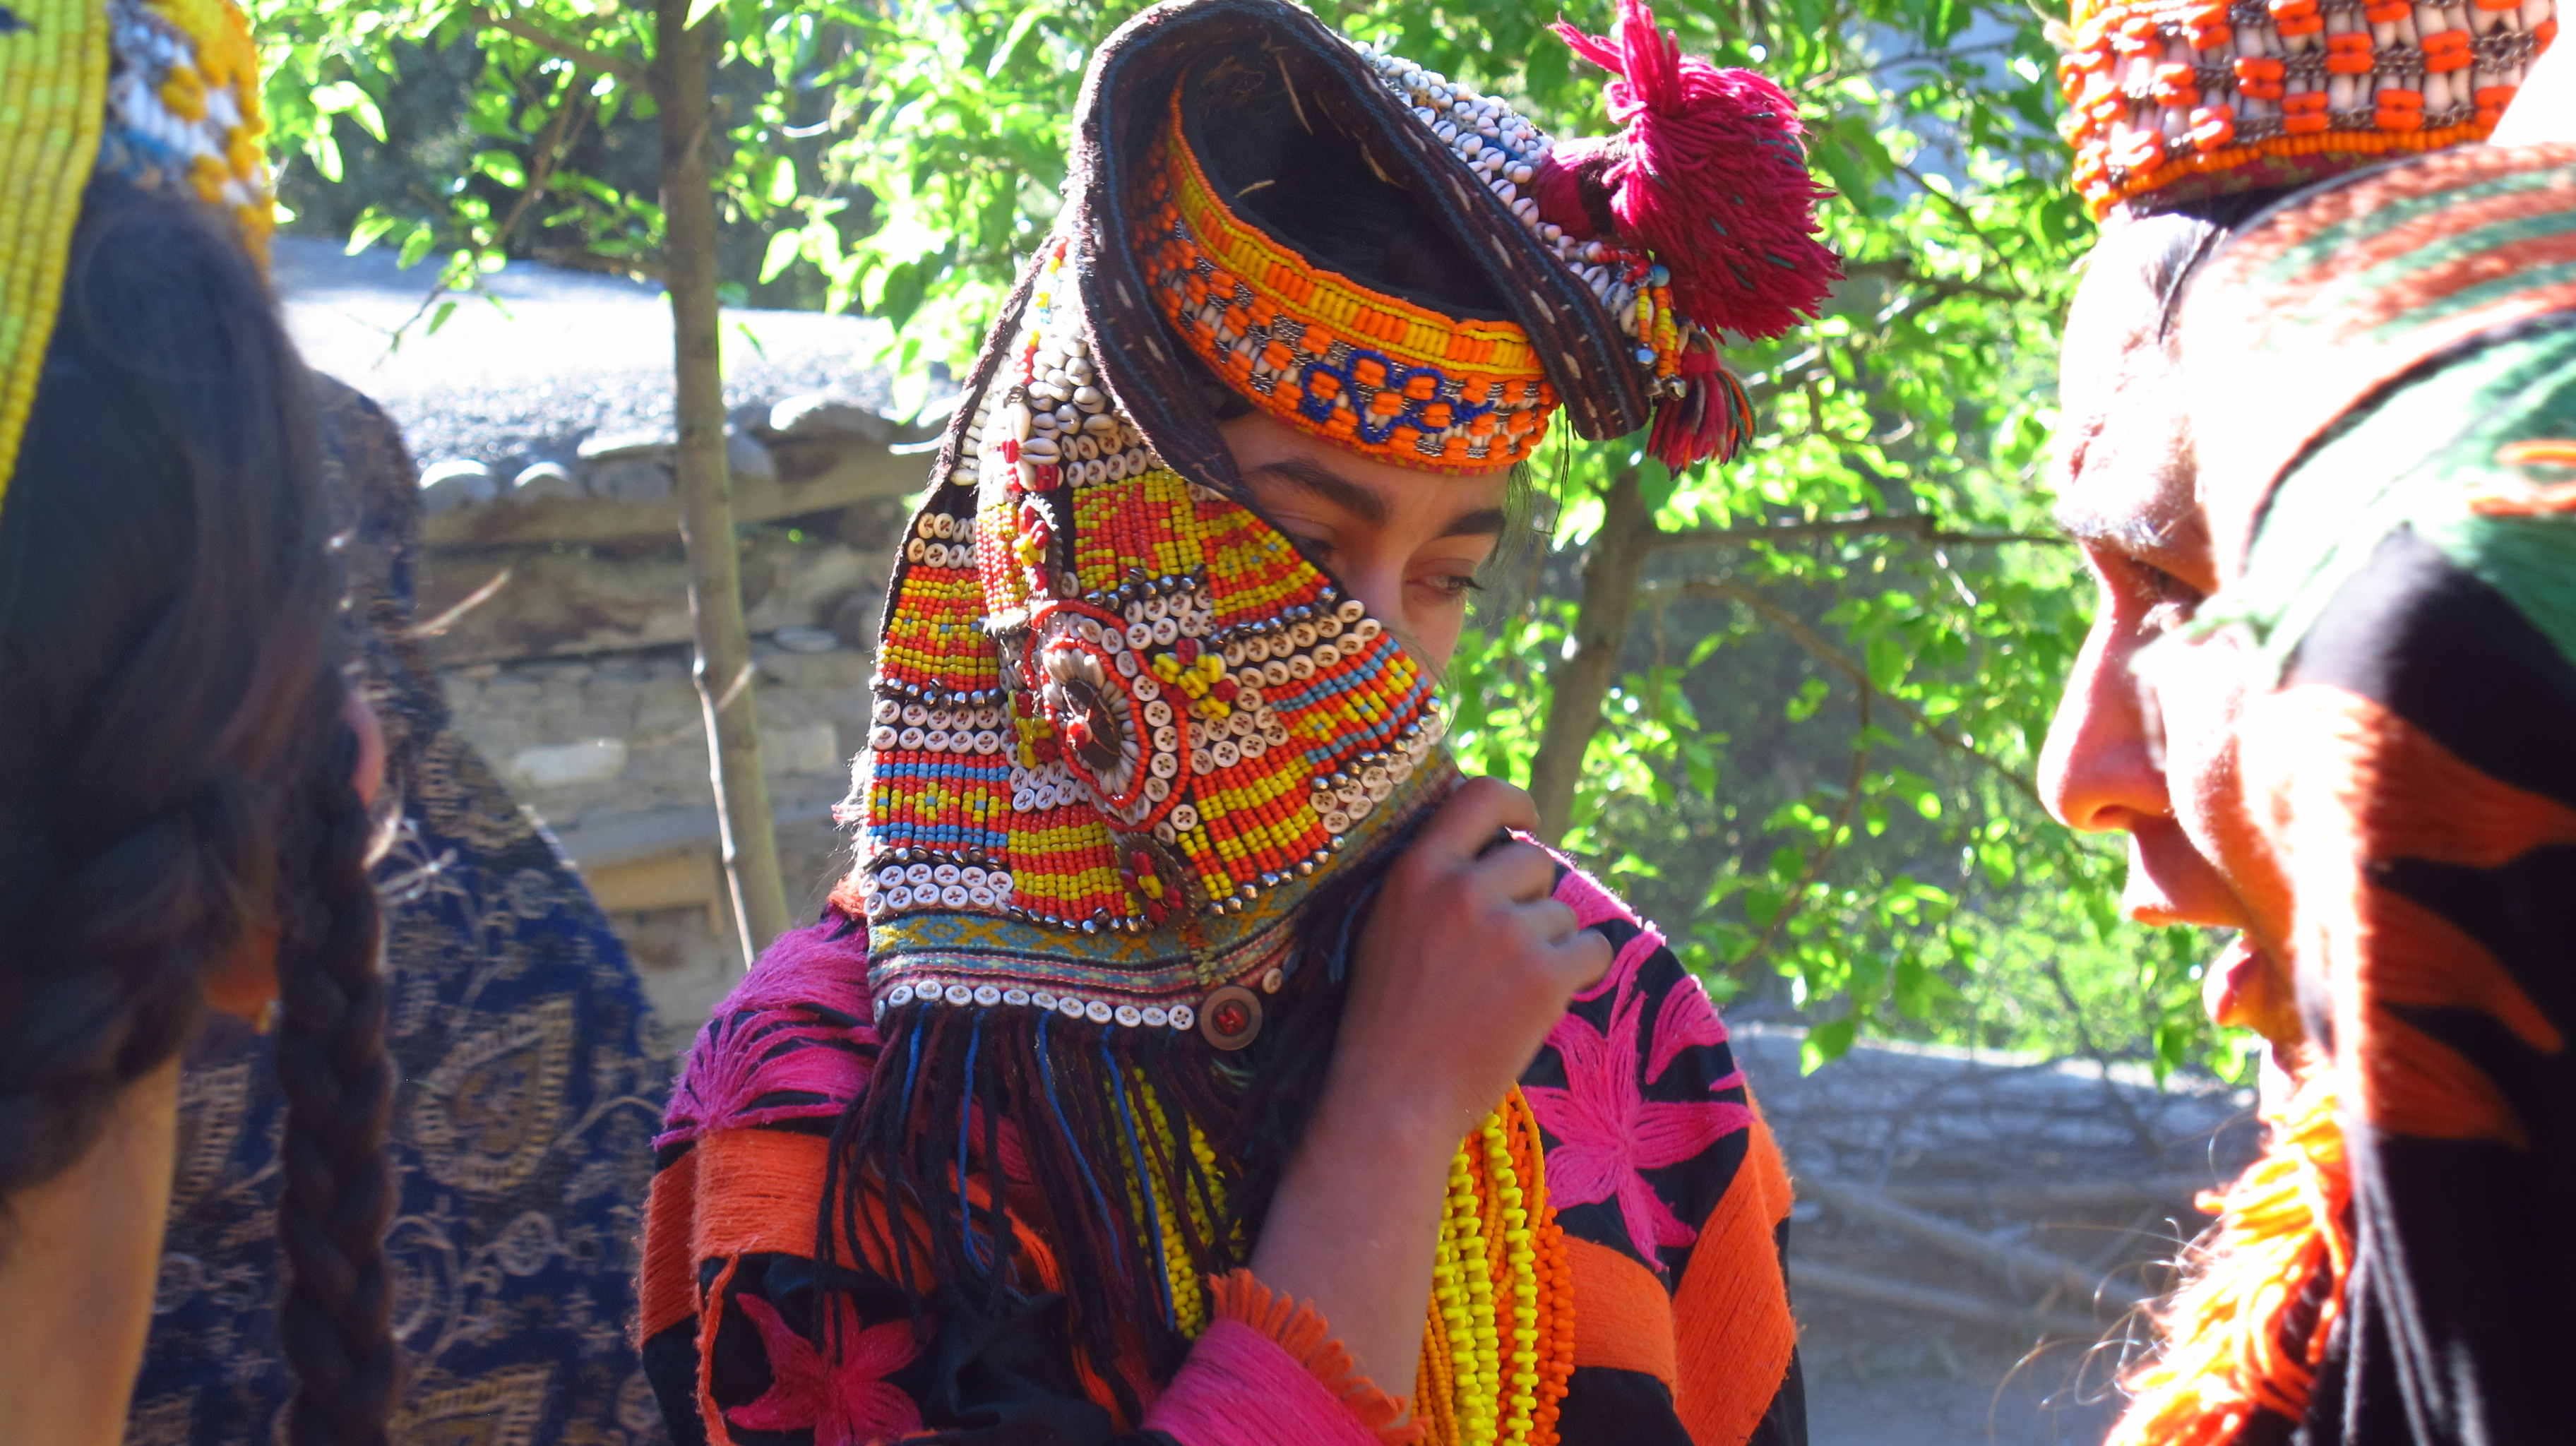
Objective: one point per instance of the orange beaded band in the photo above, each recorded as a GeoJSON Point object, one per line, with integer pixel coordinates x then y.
{"type": "Point", "coordinates": [2167, 96]}
{"type": "Point", "coordinates": [1316, 349]}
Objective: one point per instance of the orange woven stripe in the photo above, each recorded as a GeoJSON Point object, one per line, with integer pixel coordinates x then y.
{"type": "Point", "coordinates": [2401, 793]}
{"type": "Point", "coordinates": [757, 1190]}
{"type": "Point", "coordinates": [2327, 143]}
{"type": "Point", "coordinates": [1732, 1327]}
{"type": "Point", "coordinates": [669, 1289]}
{"type": "Point", "coordinates": [1622, 1318]}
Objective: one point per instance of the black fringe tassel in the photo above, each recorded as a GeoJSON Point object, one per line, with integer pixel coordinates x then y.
{"type": "Point", "coordinates": [955, 1089]}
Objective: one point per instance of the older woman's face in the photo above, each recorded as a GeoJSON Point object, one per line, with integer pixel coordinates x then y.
{"type": "Point", "coordinates": [2150, 749]}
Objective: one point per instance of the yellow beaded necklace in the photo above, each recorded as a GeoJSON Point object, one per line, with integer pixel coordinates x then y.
{"type": "Point", "coordinates": [1497, 1347]}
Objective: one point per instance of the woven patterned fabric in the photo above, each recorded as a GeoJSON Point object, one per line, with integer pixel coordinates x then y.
{"type": "Point", "coordinates": [521, 1139]}
{"type": "Point", "coordinates": [2305, 316]}
{"type": "Point", "coordinates": [1120, 721]}
{"type": "Point", "coordinates": [2170, 100]}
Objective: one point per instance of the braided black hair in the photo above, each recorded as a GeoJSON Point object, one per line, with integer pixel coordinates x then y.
{"type": "Point", "coordinates": [175, 772]}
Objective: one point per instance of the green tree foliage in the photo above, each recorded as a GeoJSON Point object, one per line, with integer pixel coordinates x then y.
{"type": "Point", "coordinates": [1821, 689]}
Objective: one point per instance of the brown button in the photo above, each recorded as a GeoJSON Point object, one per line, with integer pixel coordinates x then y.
{"type": "Point", "coordinates": [1230, 1017]}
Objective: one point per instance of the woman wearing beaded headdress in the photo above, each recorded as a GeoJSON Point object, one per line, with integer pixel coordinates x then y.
{"type": "Point", "coordinates": [2381, 384]}
{"type": "Point", "coordinates": [183, 768]}
{"type": "Point", "coordinates": [2380, 1275]}
{"type": "Point", "coordinates": [1188, 1052]}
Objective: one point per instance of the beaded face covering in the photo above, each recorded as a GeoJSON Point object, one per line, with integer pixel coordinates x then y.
{"type": "Point", "coordinates": [2173, 99]}
{"type": "Point", "coordinates": [1120, 721]}
{"type": "Point", "coordinates": [160, 92]}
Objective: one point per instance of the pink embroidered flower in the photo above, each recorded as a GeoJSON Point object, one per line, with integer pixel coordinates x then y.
{"type": "Point", "coordinates": [1686, 1018]}
{"type": "Point", "coordinates": [1607, 1131]}
{"type": "Point", "coordinates": [845, 1402]}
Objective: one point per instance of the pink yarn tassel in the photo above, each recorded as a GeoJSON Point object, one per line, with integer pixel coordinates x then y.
{"type": "Point", "coordinates": [1709, 420]}
{"type": "Point", "coordinates": [1709, 176]}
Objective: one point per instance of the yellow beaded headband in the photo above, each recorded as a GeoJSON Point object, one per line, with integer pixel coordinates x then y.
{"type": "Point", "coordinates": [160, 92]}
{"type": "Point", "coordinates": [2172, 100]}
{"type": "Point", "coordinates": [1324, 353]}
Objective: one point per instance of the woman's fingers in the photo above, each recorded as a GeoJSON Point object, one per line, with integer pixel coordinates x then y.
{"type": "Point", "coordinates": [1589, 955]}
{"type": "Point", "coordinates": [1467, 823]}
{"type": "Point", "coordinates": [1553, 919]}
{"type": "Point", "coordinates": [1524, 873]}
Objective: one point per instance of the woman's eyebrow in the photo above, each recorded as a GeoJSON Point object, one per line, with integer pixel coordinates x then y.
{"type": "Point", "coordinates": [1483, 522]}
{"type": "Point", "coordinates": [1325, 484]}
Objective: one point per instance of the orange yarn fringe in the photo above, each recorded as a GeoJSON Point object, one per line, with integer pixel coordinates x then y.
{"type": "Point", "coordinates": [1302, 1333]}
{"type": "Point", "coordinates": [2231, 1343]}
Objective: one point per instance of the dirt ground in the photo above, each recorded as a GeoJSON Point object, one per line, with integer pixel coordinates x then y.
{"type": "Point", "coordinates": [2088, 1170]}
{"type": "Point", "coordinates": [1895, 1380]}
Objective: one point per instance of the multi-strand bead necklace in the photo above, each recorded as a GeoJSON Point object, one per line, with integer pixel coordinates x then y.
{"type": "Point", "coordinates": [1498, 1345]}
{"type": "Point", "coordinates": [1500, 1342]}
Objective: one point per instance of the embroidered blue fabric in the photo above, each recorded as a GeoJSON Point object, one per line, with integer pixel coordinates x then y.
{"type": "Point", "coordinates": [522, 1132]}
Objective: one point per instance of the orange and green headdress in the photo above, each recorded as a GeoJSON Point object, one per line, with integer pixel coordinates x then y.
{"type": "Point", "coordinates": [160, 92]}
{"type": "Point", "coordinates": [2382, 383]}
{"type": "Point", "coordinates": [2171, 101]}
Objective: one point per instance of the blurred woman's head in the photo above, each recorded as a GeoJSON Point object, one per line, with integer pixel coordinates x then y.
{"type": "Point", "coordinates": [179, 813]}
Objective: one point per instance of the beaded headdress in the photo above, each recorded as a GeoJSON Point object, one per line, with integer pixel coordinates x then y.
{"type": "Point", "coordinates": [161, 92]}
{"type": "Point", "coordinates": [1129, 746]}
{"type": "Point", "coordinates": [1698, 220]}
{"type": "Point", "coordinates": [1120, 721]}
{"type": "Point", "coordinates": [2172, 100]}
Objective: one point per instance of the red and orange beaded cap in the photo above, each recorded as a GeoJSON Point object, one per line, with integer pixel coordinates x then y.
{"type": "Point", "coordinates": [1696, 221]}
{"type": "Point", "coordinates": [2172, 100]}
{"type": "Point", "coordinates": [1323, 352]}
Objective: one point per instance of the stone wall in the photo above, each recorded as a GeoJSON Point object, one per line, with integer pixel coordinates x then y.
{"type": "Point", "coordinates": [554, 585]}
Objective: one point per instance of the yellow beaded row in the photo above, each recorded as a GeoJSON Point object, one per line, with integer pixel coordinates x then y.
{"type": "Point", "coordinates": [1189, 1300]}
{"type": "Point", "coordinates": [1491, 1346]}
{"type": "Point", "coordinates": [53, 105]}
{"type": "Point", "coordinates": [1520, 1264]}
{"type": "Point", "coordinates": [1471, 1388]}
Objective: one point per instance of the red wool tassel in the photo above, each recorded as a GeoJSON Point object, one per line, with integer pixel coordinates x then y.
{"type": "Point", "coordinates": [1709, 175]}
{"type": "Point", "coordinates": [1709, 420]}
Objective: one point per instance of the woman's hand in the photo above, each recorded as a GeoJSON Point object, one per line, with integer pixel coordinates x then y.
{"type": "Point", "coordinates": [1466, 963]}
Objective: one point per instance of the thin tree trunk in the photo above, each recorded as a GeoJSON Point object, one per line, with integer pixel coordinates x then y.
{"type": "Point", "coordinates": [1576, 685]}
{"type": "Point", "coordinates": [724, 669]}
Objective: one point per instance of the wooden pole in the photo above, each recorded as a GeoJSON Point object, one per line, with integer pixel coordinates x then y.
{"type": "Point", "coordinates": [681, 79]}
{"type": "Point", "coordinates": [1576, 685]}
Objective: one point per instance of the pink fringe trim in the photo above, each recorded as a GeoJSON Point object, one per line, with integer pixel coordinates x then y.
{"type": "Point", "coordinates": [1268, 1371]}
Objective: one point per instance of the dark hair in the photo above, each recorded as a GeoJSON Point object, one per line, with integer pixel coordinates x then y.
{"type": "Point", "coordinates": [1282, 163]}
{"type": "Point", "coordinates": [175, 773]}
{"type": "Point", "coordinates": [2196, 230]}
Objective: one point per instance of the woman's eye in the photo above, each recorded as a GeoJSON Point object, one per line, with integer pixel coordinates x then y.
{"type": "Point", "coordinates": [1453, 586]}
{"type": "Point", "coordinates": [2171, 601]}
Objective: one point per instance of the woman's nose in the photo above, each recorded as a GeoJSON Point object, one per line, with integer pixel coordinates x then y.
{"type": "Point", "coordinates": [2099, 769]}
{"type": "Point", "coordinates": [1378, 582]}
